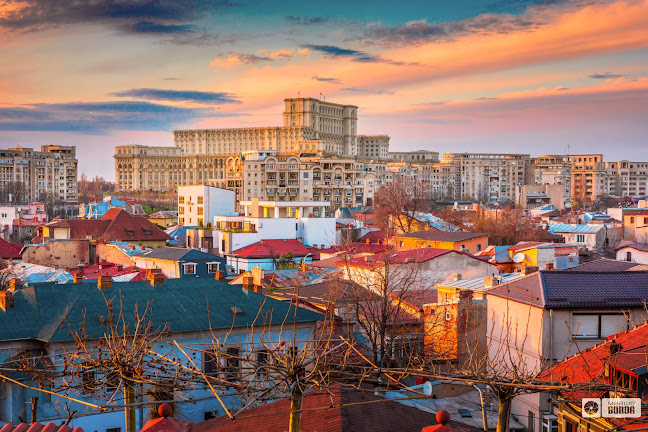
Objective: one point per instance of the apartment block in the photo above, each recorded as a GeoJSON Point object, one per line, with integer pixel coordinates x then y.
{"type": "Point", "coordinates": [342, 182]}
{"type": "Point", "coordinates": [487, 177]}
{"type": "Point", "coordinates": [588, 177]}
{"type": "Point", "coordinates": [50, 172]}
{"type": "Point", "coordinates": [626, 178]}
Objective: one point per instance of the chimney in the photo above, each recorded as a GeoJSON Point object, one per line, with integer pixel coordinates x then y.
{"type": "Point", "coordinates": [104, 281]}
{"type": "Point", "coordinates": [367, 241]}
{"type": "Point", "coordinates": [131, 247]}
{"type": "Point", "coordinates": [220, 275]}
{"type": "Point", "coordinates": [155, 276]}
{"type": "Point", "coordinates": [257, 289]}
{"type": "Point", "coordinates": [14, 284]}
{"type": "Point", "coordinates": [491, 281]}
{"type": "Point", "coordinates": [248, 283]}
{"type": "Point", "coordinates": [614, 347]}
{"type": "Point", "coordinates": [457, 277]}
{"type": "Point", "coordinates": [81, 268]}
{"type": "Point", "coordinates": [6, 300]}
{"type": "Point", "coordinates": [78, 277]}
{"type": "Point", "coordinates": [527, 270]}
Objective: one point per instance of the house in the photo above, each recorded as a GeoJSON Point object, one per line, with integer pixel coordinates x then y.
{"type": "Point", "coordinates": [119, 252]}
{"type": "Point", "coordinates": [620, 362]}
{"type": "Point", "coordinates": [195, 312]}
{"type": "Point", "coordinates": [199, 204]}
{"type": "Point", "coordinates": [12, 215]}
{"type": "Point", "coordinates": [115, 225]}
{"type": "Point", "coordinates": [24, 230]}
{"type": "Point", "coordinates": [550, 315]}
{"type": "Point", "coordinates": [265, 254]}
{"type": "Point", "coordinates": [635, 226]}
{"type": "Point", "coordinates": [268, 220]}
{"type": "Point", "coordinates": [546, 256]}
{"type": "Point", "coordinates": [95, 209]}
{"type": "Point", "coordinates": [605, 265]}
{"type": "Point", "coordinates": [181, 262]}
{"type": "Point", "coordinates": [164, 218]}
{"type": "Point", "coordinates": [63, 253]}
{"type": "Point", "coordinates": [334, 410]}
{"type": "Point", "coordinates": [539, 195]}
{"type": "Point", "coordinates": [428, 266]}
{"type": "Point", "coordinates": [118, 272]}
{"type": "Point", "coordinates": [632, 252]}
{"type": "Point", "coordinates": [456, 240]}
{"type": "Point", "coordinates": [9, 250]}
{"type": "Point", "coordinates": [589, 236]}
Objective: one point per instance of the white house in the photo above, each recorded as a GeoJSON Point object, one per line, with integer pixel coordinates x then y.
{"type": "Point", "coordinates": [589, 236]}
{"type": "Point", "coordinates": [633, 252]}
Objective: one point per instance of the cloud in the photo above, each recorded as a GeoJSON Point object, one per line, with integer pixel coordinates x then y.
{"type": "Point", "coordinates": [416, 32]}
{"type": "Point", "coordinates": [144, 17]}
{"type": "Point", "coordinates": [366, 91]}
{"type": "Point", "coordinates": [215, 98]}
{"type": "Point", "coordinates": [335, 51]}
{"type": "Point", "coordinates": [606, 75]}
{"type": "Point", "coordinates": [237, 59]}
{"type": "Point", "coordinates": [100, 117]}
{"type": "Point", "coordinates": [306, 20]}
{"type": "Point", "coordinates": [329, 80]}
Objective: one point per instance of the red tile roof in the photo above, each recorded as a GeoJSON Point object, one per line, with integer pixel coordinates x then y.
{"type": "Point", "coordinates": [111, 269]}
{"type": "Point", "coordinates": [272, 248]}
{"type": "Point", "coordinates": [9, 250]}
{"type": "Point", "coordinates": [403, 257]}
{"type": "Point", "coordinates": [116, 225]}
{"type": "Point", "coordinates": [36, 427]}
{"type": "Point", "coordinates": [373, 237]}
{"type": "Point", "coordinates": [334, 411]}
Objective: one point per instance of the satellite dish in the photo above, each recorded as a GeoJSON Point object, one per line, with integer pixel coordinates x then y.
{"type": "Point", "coordinates": [427, 388]}
{"type": "Point", "coordinates": [518, 257]}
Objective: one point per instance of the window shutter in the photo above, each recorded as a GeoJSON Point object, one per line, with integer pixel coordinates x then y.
{"type": "Point", "coordinates": [585, 325]}
{"type": "Point", "coordinates": [612, 324]}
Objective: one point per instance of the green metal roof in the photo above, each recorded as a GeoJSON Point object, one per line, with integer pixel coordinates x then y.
{"type": "Point", "coordinates": [43, 311]}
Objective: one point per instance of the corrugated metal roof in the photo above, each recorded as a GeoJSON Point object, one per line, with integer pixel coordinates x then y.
{"type": "Point", "coordinates": [478, 283]}
{"type": "Point", "coordinates": [574, 228]}
{"type": "Point", "coordinates": [34, 273]}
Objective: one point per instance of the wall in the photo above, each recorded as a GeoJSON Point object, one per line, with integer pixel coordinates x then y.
{"type": "Point", "coordinates": [636, 227]}
{"type": "Point", "coordinates": [113, 254]}
{"type": "Point", "coordinates": [640, 257]}
{"type": "Point", "coordinates": [61, 253]}
{"type": "Point", "coordinates": [246, 264]}
{"type": "Point", "coordinates": [472, 245]}
{"type": "Point", "coordinates": [169, 268]}
{"type": "Point", "coordinates": [445, 267]}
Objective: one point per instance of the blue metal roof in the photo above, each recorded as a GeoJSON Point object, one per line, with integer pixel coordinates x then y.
{"type": "Point", "coordinates": [574, 228]}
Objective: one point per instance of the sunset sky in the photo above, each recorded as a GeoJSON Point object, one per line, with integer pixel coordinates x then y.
{"type": "Point", "coordinates": [474, 75]}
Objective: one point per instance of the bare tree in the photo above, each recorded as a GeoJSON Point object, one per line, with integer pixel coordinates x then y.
{"type": "Point", "coordinates": [397, 203]}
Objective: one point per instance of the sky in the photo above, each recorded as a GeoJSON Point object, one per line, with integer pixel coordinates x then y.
{"type": "Point", "coordinates": [516, 76]}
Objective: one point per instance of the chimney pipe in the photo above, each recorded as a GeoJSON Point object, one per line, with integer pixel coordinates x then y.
{"type": "Point", "coordinates": [219, 275]}
{"type": "Point", "coordinates": [6, 300]}
{"type": "Point", "coordinates": [248, 283]}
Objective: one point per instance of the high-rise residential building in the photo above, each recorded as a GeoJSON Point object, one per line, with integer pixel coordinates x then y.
{"type": "Point", "coordinates": [212, 156]}
{"type": "Point", "coordinates": [342, 182]}
{"type": "Point", "coordinates": [588, 177]}
{"type": "Point", "coordinates": [487, 177]}
{"type": "Point", "coordinates": [49, 174]}
{"type": "Point", "coordinates": [553, 170]}
{"type": "Point", "coordinates": [626, 179]}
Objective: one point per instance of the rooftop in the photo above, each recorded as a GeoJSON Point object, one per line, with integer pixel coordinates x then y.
{"type": "Point", "coordinates": [272, 248]}
{"type": "Point", "coordinates": [177, 254]}
{"type": "Point", "coordinates": [444, 236]}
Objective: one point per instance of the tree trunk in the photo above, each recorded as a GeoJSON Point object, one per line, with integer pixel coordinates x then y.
{"type": "Point", "coordinates": [503, 415]}
{"type": "Point", "coordinates": [130, 411]}
{"type": "Point", "coordinates": [296, 399]}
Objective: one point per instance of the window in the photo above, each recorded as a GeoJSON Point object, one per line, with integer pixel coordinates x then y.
{"type": "Point", "coordinates": [211, 366]}
{"type": "Point", "coordinates": [580, 238]}
{"type": "Point", "coordinates": [233, 364]}
{"type": "Point", "coordinates": [631, 219]}
{"type": "Point", "coordinates": [531, 423]}
{"type": "Point", "coordinates": [200, 211]}
{"type": "Point", "coordinates": [262, 363]}
{"type": "Point", "coordinates": [628, 256]}
{"type": "Point", "coordinates": [189, 268]}
{"type": "Point", "coordinates": [200, 200]}
{"type": "Point", "coordinates": [113, 429]}
{"type": "Point", "coordinates": [597, 325]}
{"type": "Point", "coordinates": [181, 200]}
{"type": "Point", "coordinates": [88, 379]}
{"type": "Point", "coordinates": [478, 247]}
{"type": "Point", "coordinates": [213, 267]}
{"type": "Point", "coordinates": [549, 423]}
{"type": "Point", "coordinates": [464, 413]}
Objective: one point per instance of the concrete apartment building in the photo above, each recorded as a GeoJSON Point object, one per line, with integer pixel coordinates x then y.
{"type": "Point", "coordinates": [626, 179]}
{"type": "Point", "coordinates": [199, 204]}
{"type": "Point", "coordinates": [487, 177]}
{"type": "Point", "coordinates": [417, 156]}
{"type": "Point", "coordinates": [342, 182]}
{"type": "Point", "coordinates": [52, 170]}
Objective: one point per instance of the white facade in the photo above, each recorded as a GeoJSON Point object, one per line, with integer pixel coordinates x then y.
{"type": "Point", "coordinates": [633, 255]}
{"type": "Point", "coordinates": [199, 204]}
{"type": "Point", "coordinates": [7, 216]}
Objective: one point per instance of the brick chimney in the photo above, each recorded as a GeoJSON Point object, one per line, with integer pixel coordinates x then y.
{"type": "Point", "coordinates": [219, 275]}
{"type": "Point", "coordinates": [78, 277]}
{"type": "Point", "coordinates": [527, 270]}
{"type": "Point", "coordinates": [14, 284]}
{"type": "Point", "coordinates": [6, 300]}
{"type": "Point", "coordinates": [104, 281]}
{"type": "Point", "coordinates": [614, 347]}
{"type": "Point", "coordinates": [155, 277]}
{"type": "Point", "coordinates": [81, 268]}
{"type": "Point", "coordinates": [248, 283]}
